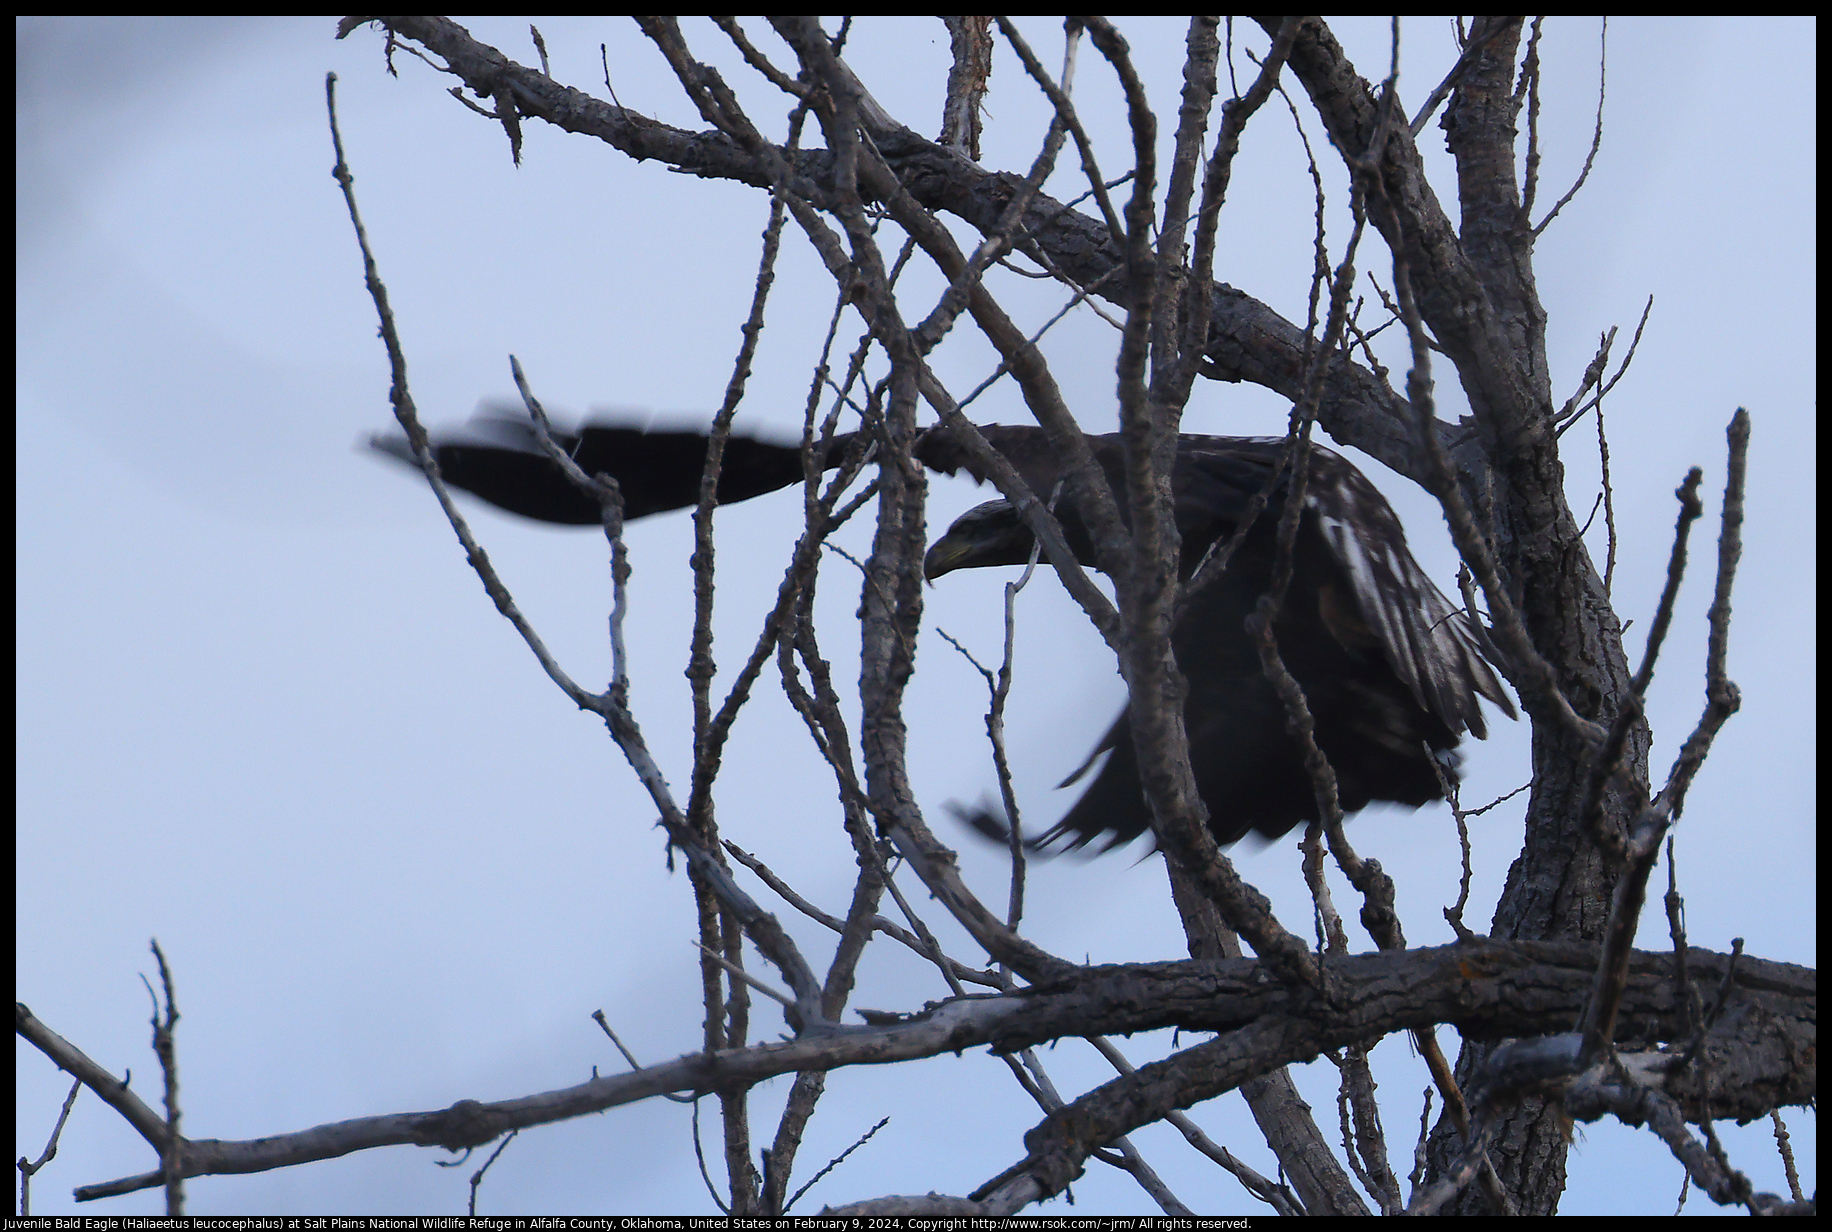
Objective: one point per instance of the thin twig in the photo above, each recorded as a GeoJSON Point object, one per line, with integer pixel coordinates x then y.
{"type": "Point", "coordinates": [165, 1046]}
{"type": "Point", "coordinates": [477, 1176]}
{"type": "Point", "coordinates": [1471, 50]}
{"type": "Point", "coordinates": [1596, 139]}
{"type": "Point", "coordinates": [30, 1167]}
{"type": "Point", "coordinates": [835, 1162]}
{"type": "Point", "coordinates": [732, 968]}
{"type": "Point", "coordinates": [1651, 822]}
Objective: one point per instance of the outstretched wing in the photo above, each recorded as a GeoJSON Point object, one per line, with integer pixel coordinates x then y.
{"type": "Point", "coordinates": [495, 456]}
{"type": "Point", "coordinates": [1432, 646]}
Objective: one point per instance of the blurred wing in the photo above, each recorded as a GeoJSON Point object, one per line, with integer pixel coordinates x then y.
{"type": "Point", "coordinates": [495, 456]}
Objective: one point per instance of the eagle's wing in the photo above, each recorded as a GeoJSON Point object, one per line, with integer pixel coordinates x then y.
{"type": "Point", "coordinates": [1432, 646]}
{"type": "Point", "coordinates": [495, 456]}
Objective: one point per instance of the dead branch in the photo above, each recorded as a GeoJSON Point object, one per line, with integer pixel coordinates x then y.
{"type": "Point", "coordinates": [1762, 1044]}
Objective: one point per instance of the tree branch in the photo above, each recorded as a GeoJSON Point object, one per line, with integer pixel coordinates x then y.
{"type": "Point", "coordinates": [1762, 1045]}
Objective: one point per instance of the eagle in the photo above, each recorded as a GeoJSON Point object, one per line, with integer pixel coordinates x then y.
{"type": "Point", "coordinates": [1391, 670]}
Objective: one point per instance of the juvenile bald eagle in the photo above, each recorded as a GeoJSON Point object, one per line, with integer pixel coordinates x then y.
{"type": "Point", "coordinates": [1389, 668]}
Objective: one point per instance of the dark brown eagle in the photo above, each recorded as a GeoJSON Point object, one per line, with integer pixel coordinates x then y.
{"type": "Point", "coordinates": [1390, 669]}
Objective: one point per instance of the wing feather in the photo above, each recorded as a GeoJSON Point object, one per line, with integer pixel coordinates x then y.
{"type": "Point", "coordinates": [1432, 646]}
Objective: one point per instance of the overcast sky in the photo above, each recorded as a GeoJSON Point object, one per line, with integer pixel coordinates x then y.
{"type": "Point", "coordinates": [268, 716]}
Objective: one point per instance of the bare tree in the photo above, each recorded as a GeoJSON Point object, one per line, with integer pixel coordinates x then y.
{"type": "Point", "coordinates": [1562, 1017]}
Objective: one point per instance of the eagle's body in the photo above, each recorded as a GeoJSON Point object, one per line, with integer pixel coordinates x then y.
{"type": "Point", "coordinates": [1390, 670]}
